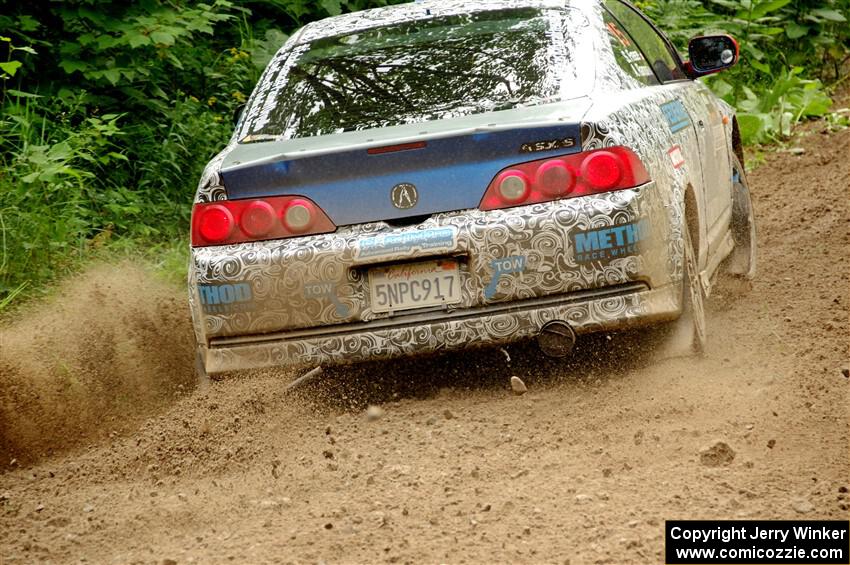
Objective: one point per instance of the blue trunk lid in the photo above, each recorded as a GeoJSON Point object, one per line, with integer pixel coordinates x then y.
{"type": "Point", "coordinates": [450, 172]}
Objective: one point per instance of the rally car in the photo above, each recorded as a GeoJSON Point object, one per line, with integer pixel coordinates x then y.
{"type": "Point", "coordinates": [444, 174]}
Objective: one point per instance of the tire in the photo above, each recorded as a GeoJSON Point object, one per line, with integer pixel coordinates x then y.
{"type": "Point", "coordinates": [692, 320]}
{"type": "Point", "coordinates": [686, 336]}
{"type": "Point", "coordinates": [742, 261]}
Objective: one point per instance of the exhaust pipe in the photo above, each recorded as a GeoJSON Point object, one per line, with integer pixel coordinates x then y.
{"type": "Point", "coordinates": [556, 339]}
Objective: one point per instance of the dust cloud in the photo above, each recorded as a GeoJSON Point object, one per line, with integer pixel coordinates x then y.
{"type": "Point", "coordinates": [112, 345]}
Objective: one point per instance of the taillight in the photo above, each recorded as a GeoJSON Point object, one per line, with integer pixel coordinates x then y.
{"type": "Point", "coordinates": [555, 178]}
{"type": "Point", "coordinates": [216, 223]}
{"type": "Point", "coordinates": [299, 215]}
{"type": "Point", "coordinates": [512, 186]}
{"type": "Point", "coordinates": [602, 169]}
{"type": "Point", "coordinates": [239, 221]}
{"type": "Point", "coordinates": [258, 218]}
{"type": "Point", "coordinates": [580, 174]}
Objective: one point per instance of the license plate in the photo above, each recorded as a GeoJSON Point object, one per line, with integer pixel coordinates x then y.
{"type": "Point", "coordinates": [414, 285]}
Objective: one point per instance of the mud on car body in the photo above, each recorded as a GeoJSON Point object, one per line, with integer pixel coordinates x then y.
{"type": "Point", "coordinates": [440, 175]}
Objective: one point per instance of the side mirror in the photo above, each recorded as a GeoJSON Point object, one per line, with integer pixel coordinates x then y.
{"type": "Point", "coordinates": [710, 54]}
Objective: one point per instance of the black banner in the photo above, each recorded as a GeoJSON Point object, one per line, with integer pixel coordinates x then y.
{"type": "Point", "coordinates": [811, 542]}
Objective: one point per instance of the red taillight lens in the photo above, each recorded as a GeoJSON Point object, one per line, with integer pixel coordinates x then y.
{"type": "Point", "coordinates": [580, 174]}
{"type": "Point", "coordinates": [257, 219]}
{"type": "Point", "coordinates": [239, 221]}
{"type": "Point", "coordinates": [602, 169]}
{"type": "Point", "coordinates": [215, 223]}
{"type": "Point", "coordinates": [554, 178]}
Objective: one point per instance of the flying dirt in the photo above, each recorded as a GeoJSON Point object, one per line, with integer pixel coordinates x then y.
{"type": "Point", "coordinates": [109, 454]}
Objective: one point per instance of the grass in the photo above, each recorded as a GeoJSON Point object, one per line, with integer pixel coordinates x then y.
{"type": "Point", "coordinates": [168, 261]}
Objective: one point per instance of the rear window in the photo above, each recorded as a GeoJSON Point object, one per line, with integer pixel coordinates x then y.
{"type": "Point", "coordinates": [413, 72]}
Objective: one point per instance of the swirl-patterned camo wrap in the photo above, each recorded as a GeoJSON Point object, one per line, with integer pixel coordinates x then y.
{"type": "Point", "coordinates": [543, 234]}
{"type": "Point", "coordinates": [279, 271]}
{"type": "Point", "coordinates": [633, 305]}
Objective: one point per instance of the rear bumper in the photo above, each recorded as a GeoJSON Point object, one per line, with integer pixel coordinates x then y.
{"type": "Point", "coordinates": [597, 262]}
{"type": "Point", "coordinates": [611, 308]}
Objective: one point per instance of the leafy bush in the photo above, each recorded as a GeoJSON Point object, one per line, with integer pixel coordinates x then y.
{"type": "Point", "coordinates": [109, 112]}
{"type": "Point", "coordinates": [772, 114]}
{"type": "Point", "coordinates": [788, 48]}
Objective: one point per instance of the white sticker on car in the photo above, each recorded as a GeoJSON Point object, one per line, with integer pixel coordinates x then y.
{"type": "Point", "coordinates": [438, 240]}
{"type": "Point", "coordinates": [676, 156]}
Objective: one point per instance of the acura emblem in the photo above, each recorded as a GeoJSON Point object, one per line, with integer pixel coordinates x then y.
{"type": "Point", "coordinates": [404, 196]}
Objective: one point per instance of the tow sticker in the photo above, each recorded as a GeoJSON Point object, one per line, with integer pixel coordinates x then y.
{"type": "Point", "coordinates": [503, 266]}
{"type": "Point", "coordinates": [325, 290]}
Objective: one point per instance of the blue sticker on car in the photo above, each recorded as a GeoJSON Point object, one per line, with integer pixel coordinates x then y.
{"type": "Point", "coordinates": [675, 115]}
{"type": "Point", "coordinates": [609, 242]}
{"type": "Point", "coordinates": [325, 290]}
{"type": "Point", "coordinates": [503, 266]}
{"type": "Point", "coordinates": [388, 245]}
{"type": "Point", "coordinates": [226, 298]}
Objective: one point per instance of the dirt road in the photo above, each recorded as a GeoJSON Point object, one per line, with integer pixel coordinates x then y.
{"type": "Point", "coordinates": [584, 468]}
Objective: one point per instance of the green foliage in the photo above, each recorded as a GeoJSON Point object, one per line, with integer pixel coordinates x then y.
{"type": "Point", "coordinates": [110, 110]}
{"type": "Point", "coordinates": [134, 45]}
{"type": "Point", "coordinates": [838, 120]}
{"type": "Point", "coordinates": [95, 139]}
{"type": "Point", "coordinates": [789, 48]}
{"type": "Point", "coordinates": [301, 12]}
{"type": "Point", "coordinates": [788, 99]}
{"type": "Point", "coordinates": [10, 67]}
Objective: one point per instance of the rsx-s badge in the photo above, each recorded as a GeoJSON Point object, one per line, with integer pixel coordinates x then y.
{"type": "Point", "coordinates": [404, 196]}
{"type": "Point", "coordinates": [547, 145]}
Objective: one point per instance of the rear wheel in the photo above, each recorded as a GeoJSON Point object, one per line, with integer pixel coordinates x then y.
{"type": "Point", "coordinates": [742, 261]}
{"type": "Point", "coordinates": [687, 334]}
{"type": "Point", "coordinates": [692, 319]}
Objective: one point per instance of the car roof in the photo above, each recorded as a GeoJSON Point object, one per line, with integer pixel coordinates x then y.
{"type": "Point", "coordinates": [412, 11]}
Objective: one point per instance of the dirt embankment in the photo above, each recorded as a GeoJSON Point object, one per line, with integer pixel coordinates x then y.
{"type": "Point", "coordinates": [585, 467]}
